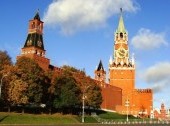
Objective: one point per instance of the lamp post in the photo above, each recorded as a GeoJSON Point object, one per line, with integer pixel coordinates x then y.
{"type": "Point", "coordinates": [127, 105]}
{"type": "Point", "coordinates": [83, 98]}
{"type": "Point", "coordinates": [1, 82]}
{"type": "Point", "coordinates": [83, 109]}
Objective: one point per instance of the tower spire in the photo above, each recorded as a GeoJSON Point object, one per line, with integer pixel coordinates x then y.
{"type": "Point", "coordinates": [121, 27]}
{"type": "Point", "coordinates": [100, 66]}
{"type": "Point", "coordinates": [37, 15]}
{"type": "Point", "coordinates": [100, 73]}
{"type": "Point", "coordinates": [121, 10]}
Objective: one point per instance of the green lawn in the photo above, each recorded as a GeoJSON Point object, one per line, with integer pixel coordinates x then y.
{"type": "Point", "coordinates": [18, 118]}
{"type": "Point", "coordinates": [87, 119]}
{"type": "Point", "coordinates": [112, 115]}
{"type": "Point", "coordinates": [15, 118]}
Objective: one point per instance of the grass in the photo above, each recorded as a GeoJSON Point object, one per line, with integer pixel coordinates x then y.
{"type": "Point", "coordinates": [112, 115]}
{"type": "Point", "coordinates": [18, 118]}
{"type": "Point", "coordinates": [87, 119]}
{"type": "Point", "coordinates": [15, 118]}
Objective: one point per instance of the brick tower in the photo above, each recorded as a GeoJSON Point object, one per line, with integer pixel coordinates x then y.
{"type": "Point", "coordinates": [121, 67]}
{"type": "Point", "coordinates": [34, 45]}
{"type": "Point", "coordinates": [120, 93]}
{"type": "Point", "coordinates": [100, 73]}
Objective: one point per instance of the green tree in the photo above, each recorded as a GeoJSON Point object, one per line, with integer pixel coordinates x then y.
{"type": "Point", "coordinates": [66, 95]}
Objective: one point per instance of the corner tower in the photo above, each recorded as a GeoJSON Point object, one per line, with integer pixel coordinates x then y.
{"type": "Point", "coordinates": [121, 67]}
{"type": "Point", "coordinates": [34, 45]}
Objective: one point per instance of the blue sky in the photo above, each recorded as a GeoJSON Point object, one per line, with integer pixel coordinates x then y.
{"type": "Point", "coordinates": [81, 32]}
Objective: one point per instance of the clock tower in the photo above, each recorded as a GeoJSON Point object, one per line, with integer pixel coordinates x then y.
{"type": "Point", "coordinates": [34, 45]}
{"type": "Point", "coordinates": [120, 93]}
{"type": "Point", "coordinates": [121, 67]}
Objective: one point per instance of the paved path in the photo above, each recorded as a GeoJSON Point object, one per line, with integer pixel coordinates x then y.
{"type": "Point", "coordinates": [88, 125]}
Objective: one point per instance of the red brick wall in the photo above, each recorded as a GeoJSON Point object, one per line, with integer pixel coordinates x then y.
{"type": "Point", "coordinates": [112, 96]}
{"type": "Point", "coordinates": [124, 79]}
{"type": "Point", "coordinates": [42, 61]}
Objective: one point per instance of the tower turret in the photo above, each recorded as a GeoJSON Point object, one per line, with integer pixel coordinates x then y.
{"type": "Point", "coordinates": [34, 45]}
{"type": "Point", "coordinates": [35, 37]}
{"type": "Point", "coordinates": [121, 49]}
{"type": "Point", "coordinates": [100, 73]}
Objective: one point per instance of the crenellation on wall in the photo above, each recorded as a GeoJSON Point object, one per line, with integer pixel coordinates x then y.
{"type": "Point", "coordinates": [125, 65]}
{"type": "Point", "coordinates": [144, 90]}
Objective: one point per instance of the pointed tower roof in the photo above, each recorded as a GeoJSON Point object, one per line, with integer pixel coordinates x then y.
{"type": "Point", "coordinates": [121, 27]}
{"type": "Point", "coordinates": [37, 15]}
{"type": "Point", "coordinates": [35, 33]}
{"type": "Point", "coordinates": [100, 66]}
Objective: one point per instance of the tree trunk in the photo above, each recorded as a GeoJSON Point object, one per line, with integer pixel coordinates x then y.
{"type": "Point", "coordinates": [50, 109]}
{"type": "Point", "coordinates": [9, 108]}
{"type": "Point", "coordinates": [23, 110]}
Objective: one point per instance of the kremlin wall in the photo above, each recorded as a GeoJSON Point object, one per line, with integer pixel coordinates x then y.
{"type": "Point", "coordinates": [119, 92]}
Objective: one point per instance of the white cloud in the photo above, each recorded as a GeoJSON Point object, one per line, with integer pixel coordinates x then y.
{"type": "Point", "coordinates": [75, 15]}
{"type": "Point", "coordinates": [146, 39]}
{"type": "Point", "coordinates": [159, 76]}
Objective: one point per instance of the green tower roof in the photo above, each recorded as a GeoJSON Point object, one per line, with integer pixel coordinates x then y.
{"type": "Point", "coordinates": [34, 40]}
{"type": "Point", "coordinates": [121, 27]}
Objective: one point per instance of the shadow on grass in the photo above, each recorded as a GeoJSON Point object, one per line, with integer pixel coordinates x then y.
{"type": "Point", "coordinates": [1, 119]}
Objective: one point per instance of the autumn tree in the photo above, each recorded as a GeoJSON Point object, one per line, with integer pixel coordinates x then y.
{"type": "Point", "coordinates": [5, 64]}
{"type": "Point", "coordinates": [17, 92]}
{"type": "Point", "coordinates": [5, 59]}
{"type": "Point", "coordinates": [10, 72]}
{"type": "Point", "coordinates": [32, 74]}
{"type": "Point", "coordinates": [88, 86]}
{"type": "Point", "coordinates": [93, 94]}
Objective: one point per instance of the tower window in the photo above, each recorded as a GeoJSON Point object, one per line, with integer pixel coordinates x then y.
{"type": "Point", "coordinates": [33, 25]}
{"type": "Point", "coordinates": [98, 75]}
{"type": "Point", "coordinates": [121, 35]}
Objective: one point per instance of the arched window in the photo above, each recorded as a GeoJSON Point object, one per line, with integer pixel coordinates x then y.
{"type": "Point", "coordinates": [33, 25]}
{"type": "Point", "coordinates": [121, 35]}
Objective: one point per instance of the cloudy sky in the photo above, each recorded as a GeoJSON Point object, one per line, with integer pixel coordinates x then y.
{"type": "Point", "coordinates": [80, 33]}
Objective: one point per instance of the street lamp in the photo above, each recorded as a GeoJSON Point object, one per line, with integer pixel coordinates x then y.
{"type": "Point", "coordinates": [83, 98]}
{"type": "Point", "coordinates": [1, 82]}
{"type": "Point", "coordinates": [83, 109]}
{"type": "Point", "coordinates": [127, 105]}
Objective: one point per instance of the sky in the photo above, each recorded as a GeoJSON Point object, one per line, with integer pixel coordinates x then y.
{"type": "Point", "coordinates": [80, 33]}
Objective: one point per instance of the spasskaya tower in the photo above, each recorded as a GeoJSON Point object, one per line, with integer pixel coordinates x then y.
{"type": "Point", "coordinates": [121, 67]}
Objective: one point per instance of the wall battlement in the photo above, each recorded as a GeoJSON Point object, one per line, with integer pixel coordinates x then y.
{"type": "Point", "coordinates": [144, 90]}
{"type": "Point", "coordinates": [123, 65]}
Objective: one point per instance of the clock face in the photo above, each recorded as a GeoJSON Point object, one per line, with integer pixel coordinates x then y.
{"type": "Point", "coordinates": [121, 52]}
{"type": "Point", "coordinates": [29, 42]}
{"type": "Point", "coordinates": [39, 43]}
